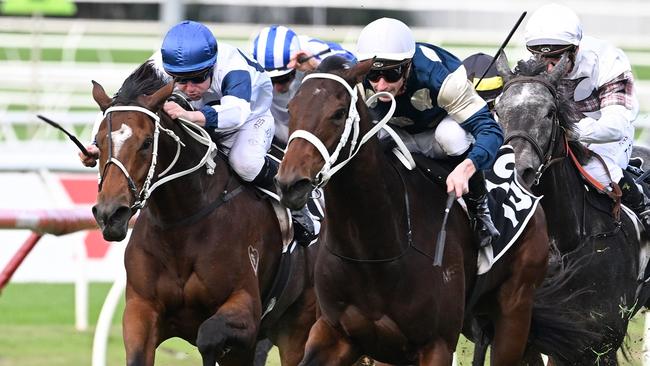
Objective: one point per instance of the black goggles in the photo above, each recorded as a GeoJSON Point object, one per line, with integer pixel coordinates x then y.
{"type": "Point", "coordinates": [283, 79]}
{"type": "Point", "coordinates": [551, 51]}
{"type": "Point", "coordinates": [391, 75]}
{"type": "Point", "coordinates": [194, 77]}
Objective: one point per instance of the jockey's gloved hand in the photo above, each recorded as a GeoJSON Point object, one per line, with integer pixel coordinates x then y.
{"type": "Point", "coordinates": [181, 99]}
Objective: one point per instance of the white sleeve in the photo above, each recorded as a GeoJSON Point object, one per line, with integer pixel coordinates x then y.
{"type": "Point", "coordinates": [608, 128]}
{"type": "Point", "coordinates": [458, 97]}
{"type": "Point", "coordinates": [232, 112]}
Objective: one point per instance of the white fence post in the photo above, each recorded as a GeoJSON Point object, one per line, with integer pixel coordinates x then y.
{"type": "Point", "coordinates": [100, 341]}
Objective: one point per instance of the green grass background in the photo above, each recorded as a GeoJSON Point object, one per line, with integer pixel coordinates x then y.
{"type": "Point", "coordinates": [37, 329]}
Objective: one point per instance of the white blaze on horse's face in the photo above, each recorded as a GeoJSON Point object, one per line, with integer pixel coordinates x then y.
{"type": "Point", "coordinates": [119, 137]}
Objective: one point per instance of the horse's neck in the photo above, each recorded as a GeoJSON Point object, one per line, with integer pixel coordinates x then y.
{"type": "Point", "coordinates": [563, 200]}
{"type": "Point", "coordinates": [183, 196]}
{"type": "Point", "coordinates": [362, 202]}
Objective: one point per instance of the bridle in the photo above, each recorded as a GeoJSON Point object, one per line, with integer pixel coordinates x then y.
{"type": "Point", "coordinates": [545, 155]}
{"type": "Point", "coordinates": [140, 198]}
{"type": "Point", "coordinates": [351, 127]}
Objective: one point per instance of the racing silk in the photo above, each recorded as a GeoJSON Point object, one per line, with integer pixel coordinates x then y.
{"type": "Point", "coordinates": [437, 87]}
{"type": "Point", "coordinates": [240, 90]}
{"type": "Point", "coordinates": [281, 100]}
{"type": "Point", "coordinates": [602, 86]}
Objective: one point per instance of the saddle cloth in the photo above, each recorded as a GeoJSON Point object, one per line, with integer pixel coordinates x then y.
{"type": "Point", "coordinates": [511, 207]}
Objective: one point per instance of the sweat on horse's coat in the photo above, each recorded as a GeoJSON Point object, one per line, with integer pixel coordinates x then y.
{"type": "Point", "coordinates": [378, 292]}
{"type": "Point", "coordinates": [603, 251]}
{"type": "Point", "coordinates": [204, 251]}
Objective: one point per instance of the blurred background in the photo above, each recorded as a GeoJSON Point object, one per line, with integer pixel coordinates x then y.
{"type": "Point", "coordinates": [50, 50]}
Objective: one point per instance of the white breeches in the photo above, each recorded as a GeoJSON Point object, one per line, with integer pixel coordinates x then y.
{"type": "Point", "coordinates": [448, 139]}
{"type": "Point", "coordinates": [616, 156]}
{"type": "Point", "coordinates": [249, 145]}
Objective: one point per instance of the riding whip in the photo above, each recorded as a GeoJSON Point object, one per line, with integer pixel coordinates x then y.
{"type": "Point", "coordinates": [503, 46]}
{"type": "Point", "coordinates": [442, 235]}
{"type": "Point", "coordinates": [304, 59]}
{"type": "Point", "coordinates": [71, 136]}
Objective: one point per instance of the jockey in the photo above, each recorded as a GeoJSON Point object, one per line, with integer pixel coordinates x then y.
{"type": "Point", "coordinates": [229, 95]}
{"type": "Point", "coordinates": [601, 83]}
{"type": "Point", "coordinates": [438, 112]}
{"type": "Point", "coordinates": [279, 50]}
{"type": "Point", "coordinates": [491, 85]}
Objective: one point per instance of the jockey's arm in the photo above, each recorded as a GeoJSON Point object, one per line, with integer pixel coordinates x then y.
{"type": "Point", "coordinates": [608, 128]}
{"type": "Point", "coordinates": [458, 97]}
{"type": "Point", "coordinates": [619, 109]}
{"type": "Point", "coordinates": [235, 105]}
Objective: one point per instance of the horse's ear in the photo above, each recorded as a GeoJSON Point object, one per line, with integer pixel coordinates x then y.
{"type": "Point", "coordinates": [359, 71]}
{"type": "Point", "coordinates": [100, 96]}
{"type": "Point", "coordinates": [503, 67]}
{"type": "Point", "coordinates": [559, 70]}
{"type": "Point", "coordinates": [155, 101]}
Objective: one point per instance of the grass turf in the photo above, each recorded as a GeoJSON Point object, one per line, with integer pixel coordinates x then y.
{"type": "Point", "coordinates": [37, 329]}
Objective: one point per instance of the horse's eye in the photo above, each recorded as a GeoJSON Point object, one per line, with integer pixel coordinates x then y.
{"type": "Point", "coordinates": [338, 115]}
{"type": "Point", "coordinates": [551, 113]}
{"type": "Point", "coordinates": [147, 143]}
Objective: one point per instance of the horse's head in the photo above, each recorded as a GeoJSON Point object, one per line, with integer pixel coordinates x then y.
{"type": "Point", "coordinates": [534, 116]}
{"type": "Point", "coordinates": [324, 121]}
{"type": "Point", "coordinates": [126, 140]}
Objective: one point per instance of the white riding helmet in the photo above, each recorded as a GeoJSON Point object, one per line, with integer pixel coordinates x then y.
{"type": "Point", "coordinates": [553, 24]}
{"type": "Point", "coordinates": [387, 39]}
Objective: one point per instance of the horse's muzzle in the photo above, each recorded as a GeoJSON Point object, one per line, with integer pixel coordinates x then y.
{"type": "Point", "coordinates": [112, 220]}
{"type": "Point", "coordinates": [294, 194]}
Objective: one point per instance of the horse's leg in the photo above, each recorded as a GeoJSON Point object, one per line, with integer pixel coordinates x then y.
{"type": "Point", "coordinates": [139, 330]}
{"type": "Point", "coordinates": [439, 353]}
{"type": "Point", "coordinates": [292, 331]}
{"type": "Point", "coordinates": [233, 324]}
{"type": "Point", "coordinates": [326, 347]}
{"type": "Point", "coordinates": [516, 295]}
{"type": "Point", "coordinates": [262, 349]}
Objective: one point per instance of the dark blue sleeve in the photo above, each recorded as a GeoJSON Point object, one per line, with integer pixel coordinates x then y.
{"type": "Point", "coordinates": [237, 83]}
{"type": "Point", "coordinates": [211, 117]}
{"type": "Point", "coordinates": [488, 136]}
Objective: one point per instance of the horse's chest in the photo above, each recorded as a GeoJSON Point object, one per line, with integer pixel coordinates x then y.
{"type": "Point", "coordinates": [189, 291]}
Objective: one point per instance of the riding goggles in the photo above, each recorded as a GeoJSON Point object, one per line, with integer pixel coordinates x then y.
{"type": "Point", "coordinates": [283, 79]}
{"type": "Point", "coordinates": [551, 51]}
{"type": "Point", "coordinates": [194, 77]}
{"type": "Point", "coordinates": [390, 74]}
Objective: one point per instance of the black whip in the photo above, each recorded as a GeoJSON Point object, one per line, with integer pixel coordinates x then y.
{"type": "Point", "coordinates": [503, 46]}
{"type": "Point", "coordinates": [442, 235]}
{"type": "Point", "coordinates": [71, 136]}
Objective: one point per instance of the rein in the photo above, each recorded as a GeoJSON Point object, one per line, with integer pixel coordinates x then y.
{"type": "Point", "coordinates": [147, 187]}
{"type": "Point", "coordinates": [546, 156]}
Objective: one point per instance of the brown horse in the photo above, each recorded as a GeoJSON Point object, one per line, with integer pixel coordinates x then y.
{"type": "Point", "coordinates": [205, 249]}
{"type": "Point", "coordinates": [378, 292]}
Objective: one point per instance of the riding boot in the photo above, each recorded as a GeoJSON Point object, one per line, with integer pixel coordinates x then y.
{"type": "Point", "coordinates": [479, 212]}
{"type": "Point", "coordinates": [303, 225]}
{"type": "Point", "coordinates": [633, 197]}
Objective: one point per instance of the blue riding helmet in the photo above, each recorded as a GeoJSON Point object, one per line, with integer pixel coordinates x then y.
{"type": "Point", "coordinates": [188, 47]}
{"type": "Point", "coordinates": [273, 48]}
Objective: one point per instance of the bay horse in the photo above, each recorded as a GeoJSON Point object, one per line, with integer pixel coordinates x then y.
{"type": "Point", "coordinates": [205, 248]}
{"type": "Point", "coordinates": [377, 289]}
{"type": "Point", "coordinates": [539, 122]}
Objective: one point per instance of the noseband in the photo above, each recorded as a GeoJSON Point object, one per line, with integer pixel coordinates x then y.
{"type": "Point", "coordinates": [141, 197]}
{"type": "Point", "coordinates": [545, 156]}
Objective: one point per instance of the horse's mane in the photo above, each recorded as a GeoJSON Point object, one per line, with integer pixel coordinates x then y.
{"type": "Point", "coordinates": [568, 113]}
{"type": "Point", "coordinates": [146, 80]}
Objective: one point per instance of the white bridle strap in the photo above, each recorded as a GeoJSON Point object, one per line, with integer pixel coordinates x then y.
{"type": "Point", "coordinates": [202, 137]}
{"type": "Point", "coordinates": [351, 126]}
